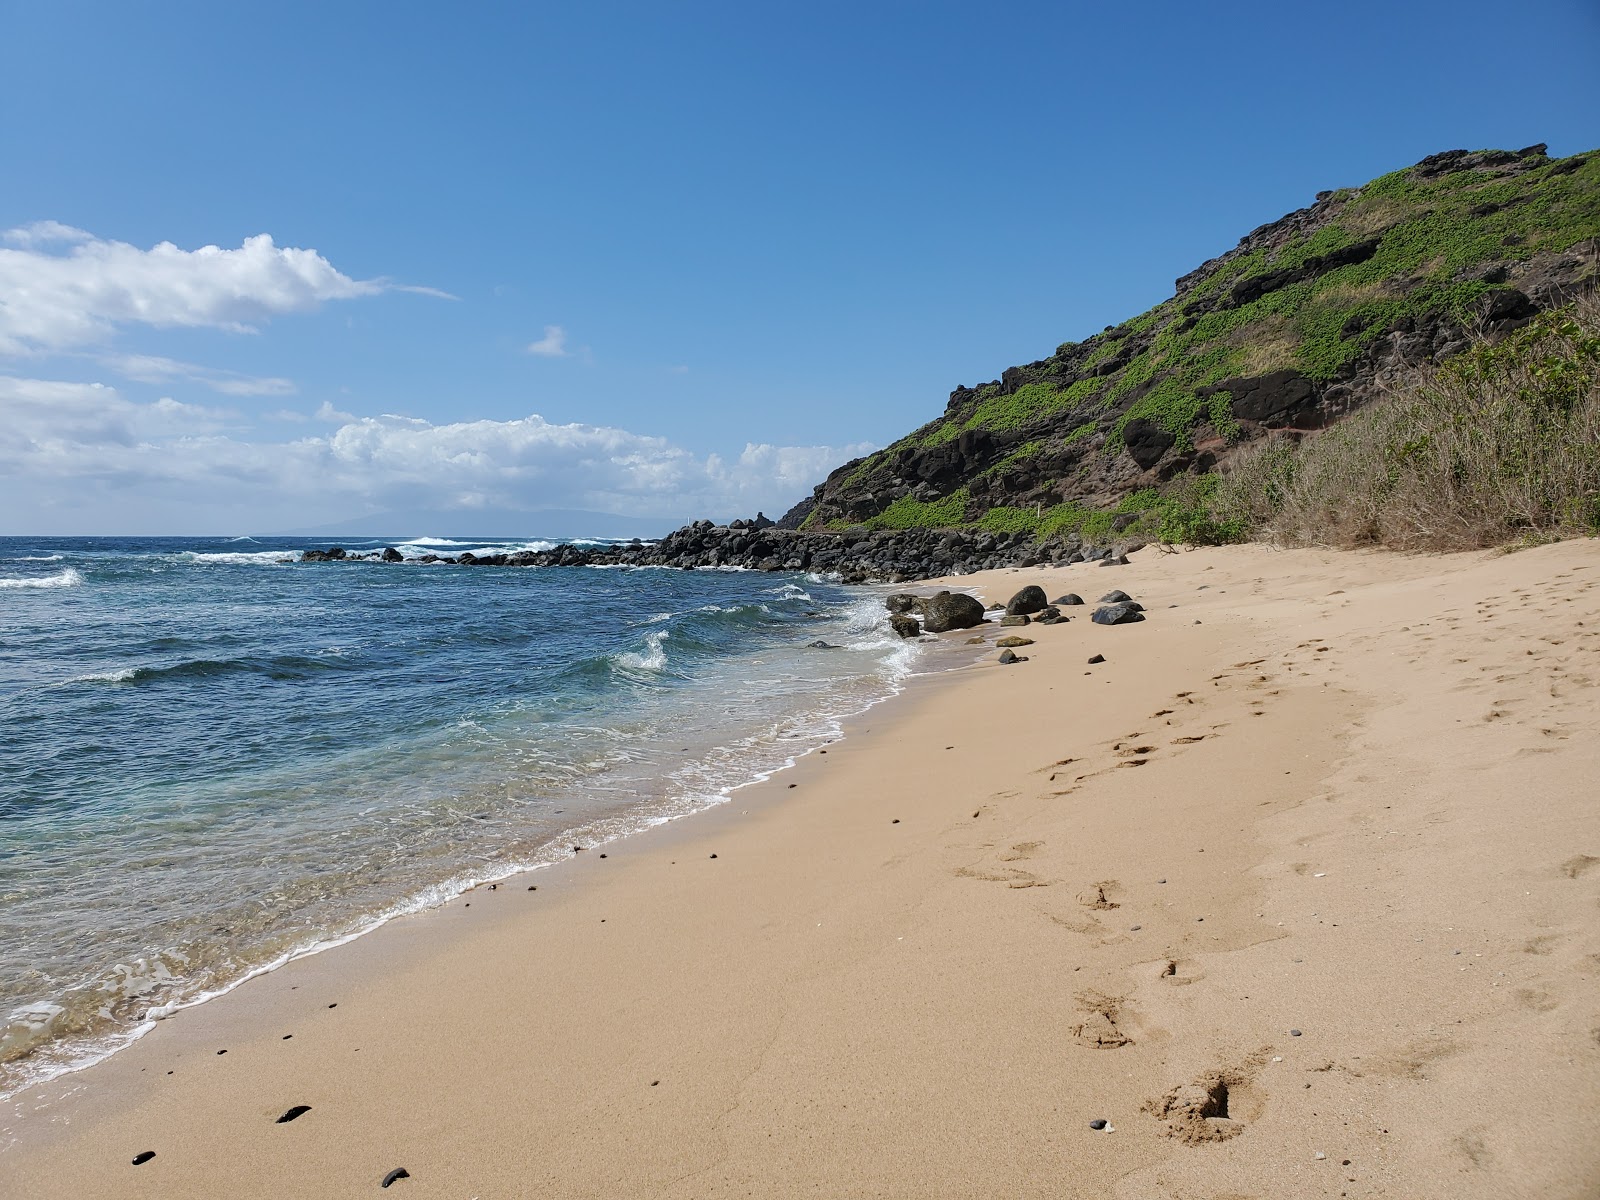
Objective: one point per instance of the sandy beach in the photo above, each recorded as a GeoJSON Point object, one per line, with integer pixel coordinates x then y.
{"type": "Point", "coordinates": [1296, 891]}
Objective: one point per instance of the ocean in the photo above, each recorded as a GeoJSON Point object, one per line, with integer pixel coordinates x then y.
{"type": "Point", "coordinates": [215, 758]}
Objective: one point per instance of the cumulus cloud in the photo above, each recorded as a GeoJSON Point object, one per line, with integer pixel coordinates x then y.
{"type": "Point", "coordinates": [552, 345]}
{"type": "Point", "coordinates": [61, 287]}
{"type": "Point", "coordinates": [56, 437]}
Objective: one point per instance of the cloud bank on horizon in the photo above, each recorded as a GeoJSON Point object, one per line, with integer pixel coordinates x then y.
{"type": "Point", "coordinates": [73, 448]}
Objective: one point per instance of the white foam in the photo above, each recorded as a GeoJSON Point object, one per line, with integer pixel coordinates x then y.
{"type": "Point", "coordinates": [37, 558]}
{"type": "Point", "coordinates": [653, 659]}
{"type": "Point", "coordinates": [241, 558]}
{"type": "Point", "coordinates": [122, 676]}
{"type": "Point", "coordinates": [62, 579]}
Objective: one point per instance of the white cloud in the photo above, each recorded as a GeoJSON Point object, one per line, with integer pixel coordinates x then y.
{"type": "Point", "coordinates": [149, 368]}
{"type": "Point", "coordinates": [327, 412]}
{"type": "Point", "coordinates": [61, 287]}
{"type": "Point", "coordinates": [59, 440]}
{"type": "Point", "coordinates": [42, 233]}
{"type": "Point", "coordinates": [552, 345]}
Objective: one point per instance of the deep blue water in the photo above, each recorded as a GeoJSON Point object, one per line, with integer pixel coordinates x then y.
{"type": "Point", "coordinates": [212, 759]}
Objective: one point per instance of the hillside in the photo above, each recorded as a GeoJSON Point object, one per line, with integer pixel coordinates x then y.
{"type": "Point", "coordinates": [1305, 321]}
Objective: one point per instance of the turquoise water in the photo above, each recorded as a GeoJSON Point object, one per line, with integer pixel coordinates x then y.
{"type": "Point", "coordinates": [214, 759]}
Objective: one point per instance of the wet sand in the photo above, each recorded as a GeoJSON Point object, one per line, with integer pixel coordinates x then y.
{"type": "Point", "coordinates": [1297, 891]}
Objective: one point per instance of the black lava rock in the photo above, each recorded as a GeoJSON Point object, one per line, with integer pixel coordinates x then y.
{"type": "Point", "coordinates": [1117, 614]}
{"type": "Point", "coordinates": [951, 610]}
{"type": "Point", "coordinates": [1030, 599]}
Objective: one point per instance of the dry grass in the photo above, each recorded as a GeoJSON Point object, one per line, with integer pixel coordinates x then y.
{"type": "Point", "coordinates": [1368, 216]}
{"type": "Point", "coordinates": [1264, 346]}
{"type": "Point", "coordinates": [1499, 445]}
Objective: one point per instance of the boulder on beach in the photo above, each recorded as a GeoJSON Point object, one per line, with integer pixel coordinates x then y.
{"type": "Point", "coordinates": [1069, 599]}
{"type": "Point", "coordinates": [1050, 616]}
{"type": "Point", "coordinates": [901, 602]}
{"type": "Point", "coordinates": [1118, 614]}
{"type": "Point", "coordinates": [951, 610]}
{"type": "Point", "coordinates": [1011, 656]}
{"type": "Point", "coordinates": [1013, 641]}
{"type": "Point", "coordinates": [1116, 596]}
{"type": "Point", "coordinates": [1029, 600]}
{"type": "Point", "coordinates": [906, 627]}
{"type": "Point", "coordinates": [1015, 619]}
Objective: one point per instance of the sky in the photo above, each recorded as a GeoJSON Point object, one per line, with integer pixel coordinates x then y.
{"type": "Point", "coordinates": [271, 266]}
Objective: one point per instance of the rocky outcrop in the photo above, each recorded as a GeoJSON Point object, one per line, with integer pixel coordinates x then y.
{"type": "Point", "coordinates": [850, 556]}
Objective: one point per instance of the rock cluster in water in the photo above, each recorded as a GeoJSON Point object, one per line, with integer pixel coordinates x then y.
{"type": "Point", "coordinates": [887, 556]}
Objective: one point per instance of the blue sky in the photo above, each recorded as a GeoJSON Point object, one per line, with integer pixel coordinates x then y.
{"type": "Point", "coordinates": [660, 260]}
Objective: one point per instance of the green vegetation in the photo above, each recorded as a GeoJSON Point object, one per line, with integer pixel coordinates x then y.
{"type": "Point", "coordinates": [1499, 444]}
{"type": "Point", "coordinates": [1406, 253]}
{"type": "Point", "coordinates": [1182, 513]}
{"type": "Point", "coordinates": [906, 513]}
{"type": "Point", "coordinates": [1431, 234]}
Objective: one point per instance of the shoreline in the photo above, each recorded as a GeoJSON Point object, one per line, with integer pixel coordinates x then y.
{"type": "Point", "coordinates": [926, 971]}
{"type": "Point", "coordinates": [594, 833]}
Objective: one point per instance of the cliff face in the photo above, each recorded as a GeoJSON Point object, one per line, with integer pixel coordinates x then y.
{"type": "Point", "coordinates": [1304, 321]}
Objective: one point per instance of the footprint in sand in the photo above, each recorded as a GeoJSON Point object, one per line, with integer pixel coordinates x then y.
{"type": "Point", "coordinates": [1021, 852]}
{"type": "Point", "coordinates": [1179, 972]}
{"type": "Point", "coordinates": [1009, 876]}
{"type": "Point", "coordinates": [1217, 1106]}
{"type": "Point", "coordinates": [1537, 999]}
{"type": "Point", "coordinates": [1100, 1026]}
{"type": "Point", "coordinates": [1103, 895]}
{"type": "Point", "coordinates": [1578, 865]}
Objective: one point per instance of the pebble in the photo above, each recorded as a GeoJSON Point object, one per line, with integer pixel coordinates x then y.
{"type": "Point", "coordinates": [1135, 928]}
{"type": "Point", "coordinates": [1098, 658]}
{"type": "Point", "coordinates": [1321, 1156]}
{"type": "Point", "coordinates": [1294, 1033]}
{"type": "Point", "coordinates": [397, 1173]}
{"type": "Point", "coordinates": [1098, 1123]}
{"type": "Point", "coordinates": [143, 1157]}
{"type": "Point", "coordinates": [713, 856]}
{"type": "Point", "coordinates": [299, 1110]}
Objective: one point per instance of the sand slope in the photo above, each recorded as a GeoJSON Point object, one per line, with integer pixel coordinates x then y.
{"type": "Point", "coordinates": [1350, 795]}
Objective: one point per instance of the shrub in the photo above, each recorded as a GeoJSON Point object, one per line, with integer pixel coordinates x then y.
{"type": "Point", "coordinates": [1500, 443]}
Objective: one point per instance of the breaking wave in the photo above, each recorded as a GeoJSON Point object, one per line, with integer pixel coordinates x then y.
{"type": "Point", "coordinates": [71, 577]}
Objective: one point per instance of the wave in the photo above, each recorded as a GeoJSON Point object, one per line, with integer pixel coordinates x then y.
{"type": "Point", "coordinates": [244, 539]}
{"type": "Point", "coordinates": [278, 667]}
{"type": "Point", "coordinates": [38, 558]}
{"type": "Point", "coordinates": [62, 579]}
{"type": "Point", "coordinates": [654, 658]}
{"type": "Point", "coordinates": [123, 676]}
{"type": "Point", "coordinates": [241, 558]}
